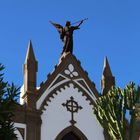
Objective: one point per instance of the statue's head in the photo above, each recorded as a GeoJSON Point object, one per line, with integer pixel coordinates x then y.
{"type": "Point", "coordinates": [68, 23]}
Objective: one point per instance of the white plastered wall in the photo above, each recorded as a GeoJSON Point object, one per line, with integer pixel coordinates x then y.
{"type": "Point", "coordinates": [55, 117]}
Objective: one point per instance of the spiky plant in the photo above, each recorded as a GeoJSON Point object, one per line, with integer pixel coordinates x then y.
{"type": "Point", "coordinates": [111, 108]}
{"type": "Point", "coordinates": [8, 97]}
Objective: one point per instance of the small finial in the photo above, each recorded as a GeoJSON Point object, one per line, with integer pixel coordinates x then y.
{"type": "Point", "coordinates": [108, 80]}
{"type": "Point", "coordinates": [30, 53]}
{"type": "Point", "coordinates": [106, 70]}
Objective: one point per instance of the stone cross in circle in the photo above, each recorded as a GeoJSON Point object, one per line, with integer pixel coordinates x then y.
{"type": "Point", "coordinates": [73, 107]}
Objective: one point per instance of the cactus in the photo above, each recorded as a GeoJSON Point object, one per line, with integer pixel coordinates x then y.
{"type": "Point", "coordinates": [110, 110]}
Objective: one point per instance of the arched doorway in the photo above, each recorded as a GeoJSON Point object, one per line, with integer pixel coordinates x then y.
{"type": "Point", "coordinates": [71, 133]}
{"type": "Point", "coordinates": [70, 136]}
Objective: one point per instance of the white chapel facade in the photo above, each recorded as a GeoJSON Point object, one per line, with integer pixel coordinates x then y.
{"type": "Point", "coordinates": [62, 107]}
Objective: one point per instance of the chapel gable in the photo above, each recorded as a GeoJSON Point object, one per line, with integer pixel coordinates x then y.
{"type": "Point", "coordinates": [67, 71]}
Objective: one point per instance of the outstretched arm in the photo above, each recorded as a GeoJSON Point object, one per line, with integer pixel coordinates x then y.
{"type": "Point", "coordinates": [80, 23]}
{"type": "Point", "coordinates": [77, 27]}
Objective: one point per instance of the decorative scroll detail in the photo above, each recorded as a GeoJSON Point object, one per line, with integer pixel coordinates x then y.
{"type": "Point", "coordinates": [73, 107]}
{"type": "Point", "coordinates": [70, 71]}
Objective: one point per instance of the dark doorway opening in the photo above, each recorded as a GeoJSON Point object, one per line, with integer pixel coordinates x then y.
{"type": "Point", "coordinates": [70, 136]}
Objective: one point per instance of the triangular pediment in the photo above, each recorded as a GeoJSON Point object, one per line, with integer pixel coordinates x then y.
{"type": "Point", "coordinates": [68, 70]}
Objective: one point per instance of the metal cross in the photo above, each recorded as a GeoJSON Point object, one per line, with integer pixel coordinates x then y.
{"type": "Point", "coordinates": [73, 107]}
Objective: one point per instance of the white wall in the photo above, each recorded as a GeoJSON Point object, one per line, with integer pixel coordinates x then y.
{"type": "Point", "coordinates": [56, 117]}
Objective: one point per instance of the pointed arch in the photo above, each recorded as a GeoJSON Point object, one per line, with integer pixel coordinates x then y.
{"type": "Point", "coordinates": [18, 135]}
{"type": "Point", "coordinates": [71, 129]}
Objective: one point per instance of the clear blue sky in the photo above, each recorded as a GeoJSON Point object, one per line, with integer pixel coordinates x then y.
{"type": "Point", "coordinates": [112, 30]}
